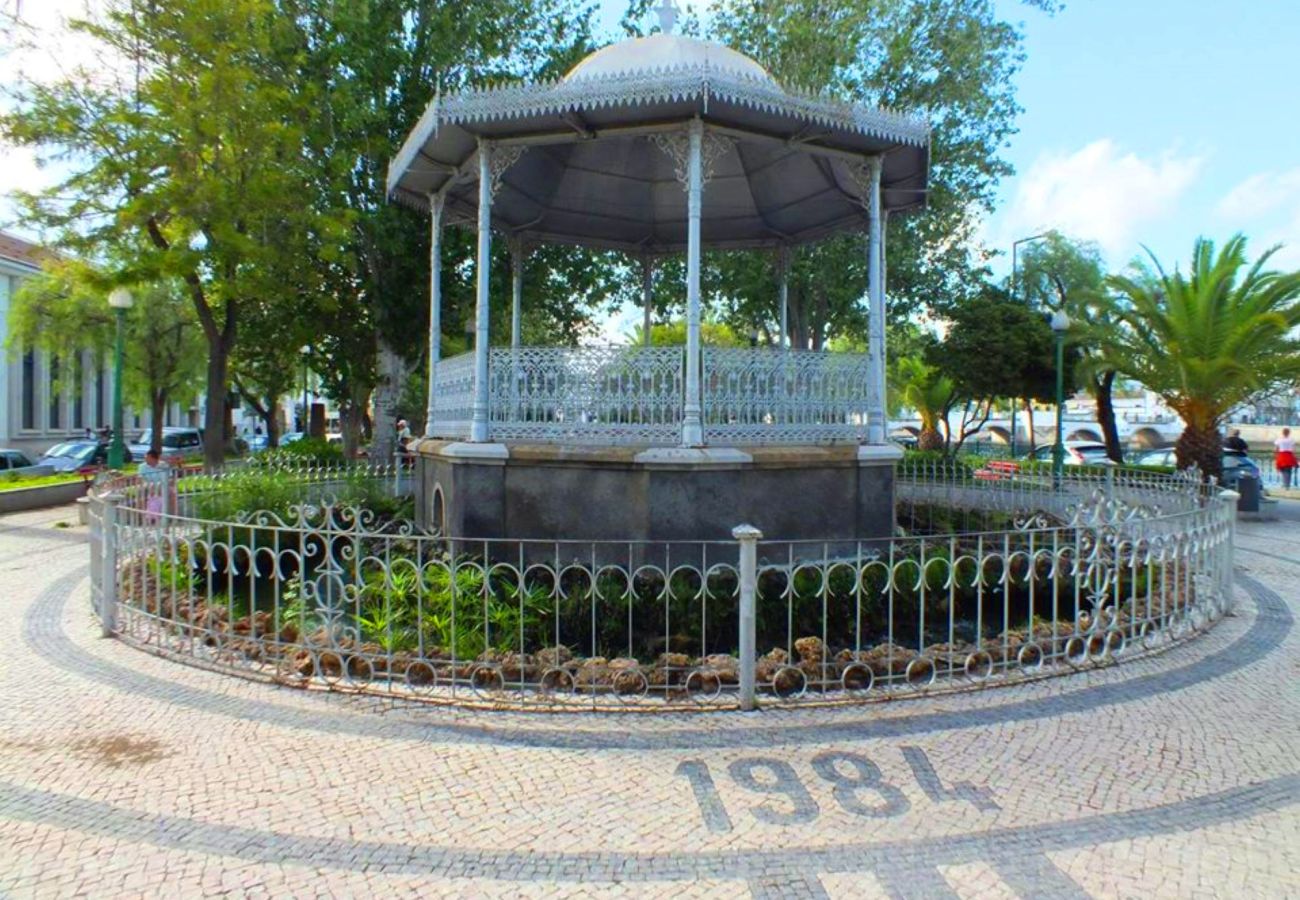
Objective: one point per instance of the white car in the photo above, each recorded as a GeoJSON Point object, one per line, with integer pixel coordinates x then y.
{"type": "Point", "coordinates": [1077, 453]}
{"type": "Point", "coordinates": [175, 442]}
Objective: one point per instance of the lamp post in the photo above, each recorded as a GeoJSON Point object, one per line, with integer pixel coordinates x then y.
{"type": "Point", "coordinates": [1015, 284]}
{"type": "Point", "coordinates": [120, 299]}
{"type": "Point", "coordinates": [305, 350]}
{"type": "Point", "coordinates": [1060, 325]}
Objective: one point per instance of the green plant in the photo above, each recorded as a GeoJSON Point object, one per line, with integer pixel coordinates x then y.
{"type": "Point", "coordinates": [1206, 341]}
{"type": "Point", "coordinates": [307, 450]}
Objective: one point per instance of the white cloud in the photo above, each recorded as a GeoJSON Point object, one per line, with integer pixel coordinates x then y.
{"type": "Point", "coordinates": [1266, 207]}
{"type": "Point", "coordinates": [1098, 193]}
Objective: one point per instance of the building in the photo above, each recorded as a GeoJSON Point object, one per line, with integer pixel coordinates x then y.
{"type": "Point", "coordinates": [37, 408]}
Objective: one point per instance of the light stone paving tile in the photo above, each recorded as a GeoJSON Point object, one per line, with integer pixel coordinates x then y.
{"type": "Point", "coordinates": [854, 886]}
{"type": "Point", "coordinates": [134, 748]}
{"type": "Point", "coordinates": [977, 881]}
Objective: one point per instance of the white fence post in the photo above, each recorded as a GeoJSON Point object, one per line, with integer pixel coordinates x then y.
{"type": "Point", "coordinates": [748, 537]}
{"type": "Point", "coordinates": [1227, 583]}
{"type": "Point", "coordinates": [108, 578]}
{"type": "Point", "coordinates": [397, 472]}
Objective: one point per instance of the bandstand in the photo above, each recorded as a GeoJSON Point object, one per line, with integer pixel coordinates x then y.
{"type": "Point", "coordinates": [655, 146]}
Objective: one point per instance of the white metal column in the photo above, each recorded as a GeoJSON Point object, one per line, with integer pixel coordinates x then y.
{"type": "Point", "coordinates": [692, 424]}
{"type": "Point", "coordinates": [783, 265]}
{"type": "Point", "coordinates": [435, 306]}
{"type": "Point", "coordinates": [647, 298]}
{"type": "Point", "coordinates": [517, 253]}
{"type": "Point", "coordinates": [876, 329]}
{"type": "Point", "coordinates": [479, 426]}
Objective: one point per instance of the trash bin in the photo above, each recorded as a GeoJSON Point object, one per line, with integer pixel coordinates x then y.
{"type": "Point", "coordinates": [1248, 487]}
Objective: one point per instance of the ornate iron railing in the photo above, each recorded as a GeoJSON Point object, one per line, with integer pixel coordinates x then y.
{"type": "Point", "coordinates": [635, 395]}
{"type": "Point", "coordinates": [762, 396]}
{"type": "Point", "coordinates": [617, 395]}
{"type": "Point", "coordinates": [320, 594]}
{"type": "Point", "coordinates": [453, 408]}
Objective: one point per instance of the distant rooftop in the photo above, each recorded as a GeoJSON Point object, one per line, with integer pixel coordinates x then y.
{"type": "Point", "coordinates": [23, 252]}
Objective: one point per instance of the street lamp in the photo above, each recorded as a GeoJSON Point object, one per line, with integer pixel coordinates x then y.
{"type": "Point", "coordinates": [120, 299]}
{"type": "Point", "coordinates": [1060, 325]}
{"type": "Point", "coordinates": [305, 350]}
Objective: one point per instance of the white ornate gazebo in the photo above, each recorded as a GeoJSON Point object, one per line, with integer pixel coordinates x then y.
{"type": "Point", "coordinates": [653, 146]}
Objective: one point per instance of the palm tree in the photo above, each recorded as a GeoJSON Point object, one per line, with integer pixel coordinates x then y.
{"type": "Point", "coordinates": [920, 386]}
{"type": "Point", "coordinates": [1207, 341]}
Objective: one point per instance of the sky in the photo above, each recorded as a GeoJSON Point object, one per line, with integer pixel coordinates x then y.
{"type": "Point", "coordinates": [1146, 122]}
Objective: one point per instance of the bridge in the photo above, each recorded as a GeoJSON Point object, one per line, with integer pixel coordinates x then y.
{"type": "Point", "coordinates": [1136, 433]}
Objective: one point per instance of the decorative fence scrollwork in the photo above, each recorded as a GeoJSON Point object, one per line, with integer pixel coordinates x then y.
{"type": "Point", "coordinates": [1031, 578]}
{"type": "Point", "coordinates": [769, 396]}
{"type": "Point", "coordinates": [607, 395]}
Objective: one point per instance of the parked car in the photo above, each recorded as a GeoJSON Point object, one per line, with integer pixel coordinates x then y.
{"type": "Point", "coordinates": [73, 456]}
{"type": "Point", "coordinates": [1235, 464]}
{"type": "Point", "coordinates": [16, 462]}
{"type": "Point", "coordinates": [175, 442]}
{"type": "Point", "coordinates": [1077, 453]}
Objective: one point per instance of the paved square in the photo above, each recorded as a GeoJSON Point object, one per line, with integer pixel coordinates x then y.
{"type": "Point", "coordinates": [124, 773]}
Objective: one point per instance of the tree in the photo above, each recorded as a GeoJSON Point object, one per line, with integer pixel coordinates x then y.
{"type": "Point", "coordinates": [1208, 340]}
{"type": "Point", "coordinates": [189, 132]}
{"type": "Point", "coordinates": [998, 347]}
{"type": "Point", "coordinates": [1061, 273]}
{"type": "Point", "coordinates": [917, 385]}
{"type": "Point", "coordinates": [951, 60]}
{"type": "Point", "coordinates": [65, 311]}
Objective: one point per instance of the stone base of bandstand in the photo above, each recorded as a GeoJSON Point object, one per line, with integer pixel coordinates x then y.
{"type": "Point", "coordinates": [840, 493]}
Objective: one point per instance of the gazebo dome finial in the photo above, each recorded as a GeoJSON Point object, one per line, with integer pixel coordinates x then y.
{"type": "Point", "coordinates": [667, 16]}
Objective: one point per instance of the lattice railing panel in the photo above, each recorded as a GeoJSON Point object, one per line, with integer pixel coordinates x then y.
{"type": "Point", "coordinates": [628, 395]}
{"type": "Point", "coordinates": [454, 398]}
{"type": "Point", "coordinates": [765, 396]}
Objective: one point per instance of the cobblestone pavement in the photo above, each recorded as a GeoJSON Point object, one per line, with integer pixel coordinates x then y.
{"type": "Point", "coordinates": [124, 773]}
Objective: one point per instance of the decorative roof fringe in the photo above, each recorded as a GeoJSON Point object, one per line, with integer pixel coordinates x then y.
{"type": "Point", "coordinates": [670, 84]}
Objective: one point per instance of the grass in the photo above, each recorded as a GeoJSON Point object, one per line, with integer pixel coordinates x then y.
{"type": "Point", "coordinates": [13, 481]}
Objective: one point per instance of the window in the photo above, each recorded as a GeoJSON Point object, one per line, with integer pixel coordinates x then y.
{"type": "Point", "coordinates": [79, 389]}
{"type": "Point", "coordinates": [56, 399]}
{"type": "Point", "coordinates": [29, 391]}
{"type": "Point", "coordinates": [101, 405]}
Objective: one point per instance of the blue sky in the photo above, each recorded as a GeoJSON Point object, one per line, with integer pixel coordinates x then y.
{"type": "Point", "coordinates": [1152, 122]}
{"type": "Point", "coordinates": [1146, 121]}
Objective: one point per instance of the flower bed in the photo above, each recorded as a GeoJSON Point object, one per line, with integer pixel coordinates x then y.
{"type": "Point", "coordinates": [318, 592]}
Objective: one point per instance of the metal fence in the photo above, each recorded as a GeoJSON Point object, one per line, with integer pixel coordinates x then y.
{"type": "Point", "coordinates": [636, 395]}
{"type": "Point", "coordinates": [323, 593]}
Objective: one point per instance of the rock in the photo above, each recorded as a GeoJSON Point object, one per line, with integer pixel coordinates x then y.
{"type": "Point", "coordinates": [777, 655]}
{"type": "Point", "coordinates": [289, 633]}
{"type": "Point", "coordinates": [726, 668]}
{"type": "Point", "coordinates": [810, 649]}
{"type": "Point", "coordinates": [302, 664]}
{"type": "Point", "coordinates": [593, 671]}
{"type": "Point", "coordinates": [330, 662]}
{"type": "Point", "coordinates": [554, 657]}
{"type": "Point", "coordinates": [518, 667]}
{"type": "Point", "coordinates": [888, 657]}
{"type": "Point", "coordinates": [623, 663]}
{"type": "Point", "coordinates": [670, 669]}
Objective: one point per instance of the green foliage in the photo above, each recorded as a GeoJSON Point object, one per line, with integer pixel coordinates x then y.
{"type": "Point", "coordinates": [920, 386]}
{"type": "Point", "coordinates": [1206, 340]}
{"type": "Point", "coordinates": [304, 451]}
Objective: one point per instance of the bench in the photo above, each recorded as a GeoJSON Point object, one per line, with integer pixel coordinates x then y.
{"type": "Point", "coordinates": [998, 469]}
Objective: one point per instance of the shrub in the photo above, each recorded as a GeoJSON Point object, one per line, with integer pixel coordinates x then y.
{"type": "Point", "coordinates": [309, 451]}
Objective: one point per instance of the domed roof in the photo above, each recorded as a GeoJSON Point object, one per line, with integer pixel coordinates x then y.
{"type": "Point", "coordinates": [664, 51]}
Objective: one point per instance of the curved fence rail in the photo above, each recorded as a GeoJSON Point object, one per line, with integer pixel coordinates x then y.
{"type": "Point", "coordinates": [1031, 578]}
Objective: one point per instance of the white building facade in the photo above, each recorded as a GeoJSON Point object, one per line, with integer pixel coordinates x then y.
{"type": "Point", "coordinates": [39, 404]}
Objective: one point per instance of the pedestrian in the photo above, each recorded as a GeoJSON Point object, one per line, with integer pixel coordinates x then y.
{"type": "Point", "coordinates": [155, 475]}
{"type": "Point", "coordinates": [1285, 459]}
{"type": "Point", "coordinates": [403, 433]}
{"type": "Point", "coordinates": [1235, 442]}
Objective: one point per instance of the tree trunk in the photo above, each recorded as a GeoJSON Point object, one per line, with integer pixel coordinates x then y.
{"type": "Point", "coordinates": [272, 419]}
{"type": "Point", "coordinates": [1202, 447]}
{"type": "Point", "coordinates": [214, 413]}
{"type": "Point", "coordinates": [1033, 438]}
{"type": "Point", "coordinates": [157, 413]}
{"type": "Point", "coordinates": [1103, 392]}
{"type": "Point", "coordinates": [393, 371]}
{"type": "Point", "coordinates": [929, 439]}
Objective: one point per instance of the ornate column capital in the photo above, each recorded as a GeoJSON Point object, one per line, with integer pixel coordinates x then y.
{"type": "Point", "coordinates": [676, 145]}
{"type": "Point", "coordinates": [500, 158]}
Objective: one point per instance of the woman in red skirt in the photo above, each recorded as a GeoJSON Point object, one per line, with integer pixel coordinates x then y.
{"type": "Point", "coordinates": [1285, 459]}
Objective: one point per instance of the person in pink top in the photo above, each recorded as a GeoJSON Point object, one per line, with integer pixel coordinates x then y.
{"type": "Point", "coordinates": [1285, 459]}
